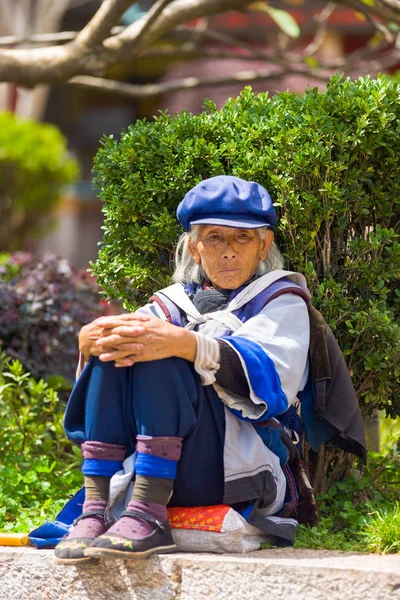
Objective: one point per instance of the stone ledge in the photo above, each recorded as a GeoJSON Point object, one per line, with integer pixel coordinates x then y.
{"type": "Point", "coordinates": [26, 573]}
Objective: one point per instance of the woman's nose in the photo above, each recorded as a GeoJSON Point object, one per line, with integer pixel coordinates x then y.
{"type": "Point", "coordinates": [229, 250]}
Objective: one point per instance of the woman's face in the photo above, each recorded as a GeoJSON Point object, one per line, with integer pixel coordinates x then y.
{"type": "Point", "coordinates": [229, 256]}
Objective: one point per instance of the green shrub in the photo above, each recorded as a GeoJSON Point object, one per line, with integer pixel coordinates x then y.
{"type": "Point", "coordinates": [38, 470]}
{"type": "Point", "coordinates": [360, 513]}
{"type": "Point", "coordinates": [34, 168]}
{"type": "Point", "coordinates": [330, 161]}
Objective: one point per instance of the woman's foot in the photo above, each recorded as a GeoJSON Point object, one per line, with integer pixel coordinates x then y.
{"type": "Point", "coordinates": [87, 527]}
{"type": "Point", "coordinates": [142, 530]}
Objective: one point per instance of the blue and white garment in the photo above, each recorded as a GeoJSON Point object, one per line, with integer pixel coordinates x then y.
{"type": "Point", "coordinates": [272, 346]}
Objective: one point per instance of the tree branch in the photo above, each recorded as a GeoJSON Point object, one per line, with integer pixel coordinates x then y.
{"type": "Point", "coordinates": [322, 24]}
{"type": "Point", "coordinates": [192, 51]}
{"type": "Point", "coordinates": [46, 38]}
{"type": "Point", "coordinates": [102, 44]}
{"type": "Point", "coordinates": [146, 22]}
{"type": "Point", "coordinates": [226, 39]}
{"type": "Point", "coordinates": [100, 25]}
{"type": "Point", "coordinates": [85, 55]}
{"type": "Point", "coordinates": [386, 13]}
{"type": "Point", "coordinates": [34, 66]}
{"type": "Point", "coordinates": [135, 91]}
{"type": "Point", "coordinates": [393, 4]}
{"type": "Point", "coordinates": [177, 13]}
{"type": "Point", "coordinates": [379, 27]}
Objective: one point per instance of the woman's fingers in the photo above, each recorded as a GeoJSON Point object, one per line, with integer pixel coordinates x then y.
{"type": "Point", "coordinates": [122, 353]}
{"type": "Point", "coordinates": [128, 348]}
{"type": "Point", "coordinates": [115, 320]}
{"type": "Point", "coordinates": [120, 336]}
{"type": "Point", "coordinates": [125, 362]}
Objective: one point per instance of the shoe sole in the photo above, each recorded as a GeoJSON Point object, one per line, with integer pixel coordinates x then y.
{"type": "Point", "coordinates": [85, 560]}
{"type": "Point", "coordinates": [109, 553]}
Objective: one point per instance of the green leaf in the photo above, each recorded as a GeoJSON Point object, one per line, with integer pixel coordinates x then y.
{"type": "Point", "coordinates": [284, 20]}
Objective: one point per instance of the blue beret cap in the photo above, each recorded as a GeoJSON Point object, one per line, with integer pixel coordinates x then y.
{"type": "Point", "coordinates": [228, 201]}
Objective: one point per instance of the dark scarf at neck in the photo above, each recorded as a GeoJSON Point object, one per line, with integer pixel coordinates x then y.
{"type": "Point", "coordinates": [207, 299]}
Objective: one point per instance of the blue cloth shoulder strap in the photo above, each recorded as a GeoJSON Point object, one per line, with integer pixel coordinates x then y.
{"type": "Point", "coordinates": [277, 288]}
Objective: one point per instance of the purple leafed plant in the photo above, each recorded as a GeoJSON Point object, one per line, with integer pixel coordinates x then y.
{"type": "Point", "coordinates": [44, 303]}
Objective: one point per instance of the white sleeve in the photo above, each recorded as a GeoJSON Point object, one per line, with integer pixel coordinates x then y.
{"type": "Point", "coordinates": [207, 358]}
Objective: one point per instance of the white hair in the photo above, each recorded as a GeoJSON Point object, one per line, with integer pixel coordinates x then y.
{"type": "Point", "coordinates": [187, 271]}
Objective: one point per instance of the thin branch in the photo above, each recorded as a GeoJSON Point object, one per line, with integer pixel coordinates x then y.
{"type": "Point", "coordinates": [186, 50]}
{"type": "Point", "coordinates": [322, 23]}
{"type": "Point", "coordinates": [135, 91]}
{"type": "Point", "coordinates": [393, 4]}
{"type": "Point", "coordinates": [226, 39]}
{"type": "Point", "coordinates": [100, 25]}
{"type": "Point", "coordinates": [47, 38]}
{"type": "Point", "coordinates": [192, 51]}
{"type": "Point", "coordinates": [379, 27]}
{"type": "Point", "coordinates": [386, 14]}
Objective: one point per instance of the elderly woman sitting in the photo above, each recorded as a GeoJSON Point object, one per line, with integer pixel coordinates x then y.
{"type": "Point", "coordinates": [183, 380]}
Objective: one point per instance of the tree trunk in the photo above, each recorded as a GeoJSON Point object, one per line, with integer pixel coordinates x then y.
{"type": "Point", "coordinates": [372, 434]}
{"type": "Point", "coordinates": [326, 467]}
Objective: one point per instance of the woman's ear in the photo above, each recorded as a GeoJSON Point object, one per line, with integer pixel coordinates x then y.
{"type": "Point", "coordinates": [267, 243]}
{"type": "Point", "coordinates": [193, 251]}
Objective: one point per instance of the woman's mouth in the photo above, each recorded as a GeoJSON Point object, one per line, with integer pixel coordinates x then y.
{"type": "Point", "coordinates": [229, 270]}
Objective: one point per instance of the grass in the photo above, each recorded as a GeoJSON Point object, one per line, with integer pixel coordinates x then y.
{"type": "Point", "coordinates": [381, 531]}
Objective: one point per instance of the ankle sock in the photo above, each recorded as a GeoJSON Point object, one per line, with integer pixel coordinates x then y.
{"type": "Point", "coordinates": [90, 527]}
{"type": "Point", "coordinates": [158, 489]}
{"type": "Point", "coordinates": [136, 528]}
{"type": "Point", "coordinates": [156, 462]}
{"type": "Point", "coordinates": [96, 487]}
{"type": "Point", "coordinates": [100, 461]}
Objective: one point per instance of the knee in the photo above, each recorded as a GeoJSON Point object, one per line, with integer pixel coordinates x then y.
{"type": "Point", "coordinates": [174, 379]}
{"type": "Point", "coordinates": [163, 367]}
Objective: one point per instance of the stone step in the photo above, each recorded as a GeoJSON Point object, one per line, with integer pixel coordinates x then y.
{"type": "Point", "coordinates": [287, 574]}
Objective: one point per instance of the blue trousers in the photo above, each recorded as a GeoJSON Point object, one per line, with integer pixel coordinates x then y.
{"type": "Point", "coordinates": [157, 398]}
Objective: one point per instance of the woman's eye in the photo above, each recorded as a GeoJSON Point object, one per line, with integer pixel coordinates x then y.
{"type": "Point", "coordinates": [243, 237]}
{"type": "Point", "coordinates": [214, 238]}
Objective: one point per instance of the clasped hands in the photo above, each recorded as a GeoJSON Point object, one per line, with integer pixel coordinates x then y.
{"type": "Point", "coordinates": [130, 338]}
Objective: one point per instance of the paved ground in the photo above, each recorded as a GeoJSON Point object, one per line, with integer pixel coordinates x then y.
{"type": "Point", "coordinates": [285, 574]}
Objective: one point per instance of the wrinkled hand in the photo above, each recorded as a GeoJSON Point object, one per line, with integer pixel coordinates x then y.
{"type": "Point", "coordinates": [89, 334]}
{"type": "Point", "coordinates": [144, 338]}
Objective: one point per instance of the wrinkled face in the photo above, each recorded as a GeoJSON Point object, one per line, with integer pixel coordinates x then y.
{"type": "Point", "coordinates": [229, 256]}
